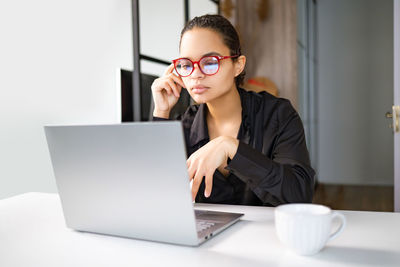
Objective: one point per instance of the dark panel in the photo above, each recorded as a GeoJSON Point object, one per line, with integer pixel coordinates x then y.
{"type": "Point", "coordinates": [136, 61]}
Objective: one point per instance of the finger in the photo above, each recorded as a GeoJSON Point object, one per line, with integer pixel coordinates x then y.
{"type": "Point", "coordinates": [191, 172]}
{"type": "Point", "coordinates": [159, 85]}
{"type": "Point", "coordinates": [169, 70]}
{"type": "Point", "coordinates": [167, 88]}
{"type": "Point", "coordinates": [178, 87]}
{"type": "Point", "coordinates": [175, 80]}
{"type": "Point", "coordinates": [196, 183]}
{"type": "Point", "coordinates": [188, 162]}
{"type": "Point", "coordinates": [178, 80]}
{"type": "Point", "coordinates": [174, 87]}
{"type": "Point", "coordinates": [209, 183]}
{"type": "Point", "coordinates": [191, 166]}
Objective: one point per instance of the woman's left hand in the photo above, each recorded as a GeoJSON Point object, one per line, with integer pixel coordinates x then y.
{"type": "Point", "coordinates": [207, 159]}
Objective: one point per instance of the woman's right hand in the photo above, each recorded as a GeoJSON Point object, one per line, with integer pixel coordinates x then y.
{"type": "Point", "coordinates": [166, 91]}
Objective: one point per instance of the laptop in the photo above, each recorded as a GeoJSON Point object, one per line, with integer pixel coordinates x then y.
{"type": "Point", "coordinates": [129, 180]}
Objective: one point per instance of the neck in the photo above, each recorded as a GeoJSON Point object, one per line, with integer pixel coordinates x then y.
{"type": "Point", "coordinates": [225, 107]}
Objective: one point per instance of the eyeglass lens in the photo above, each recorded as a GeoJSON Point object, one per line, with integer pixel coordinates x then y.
{"type": "Point", "coordinates": [208, 65]}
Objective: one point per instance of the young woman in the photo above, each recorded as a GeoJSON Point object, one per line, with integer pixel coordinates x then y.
{"type": "Point", "coordinates": [243, 147]}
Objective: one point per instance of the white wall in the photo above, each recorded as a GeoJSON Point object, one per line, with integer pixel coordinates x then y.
{"type": "Point", "coordinates": [355, 87]}
{"type": "Point", "coordinates": [58, 62]}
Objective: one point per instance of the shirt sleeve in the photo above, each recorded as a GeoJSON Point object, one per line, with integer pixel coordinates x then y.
{"type": "Point", "coordinates": [287, 177]}
{"type": "Point", "coordinates": [160, 119]}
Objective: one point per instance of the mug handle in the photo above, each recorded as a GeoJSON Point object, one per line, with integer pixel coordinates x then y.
{"type": "Point", "coordinates": [341, 227]}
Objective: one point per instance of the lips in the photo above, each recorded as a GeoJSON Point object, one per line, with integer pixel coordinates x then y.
{"type": "Point", "coordinates": [199, 89]}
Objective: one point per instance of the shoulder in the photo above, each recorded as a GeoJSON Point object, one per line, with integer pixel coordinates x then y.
{"type": "Point", "coordinates": [262, 98]}
{"type": "Point", "coordinates": [274, 112]}
{"type": "Point", "coordinates": [270, 105]}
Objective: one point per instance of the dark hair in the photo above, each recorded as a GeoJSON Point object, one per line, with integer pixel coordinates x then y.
{"type": "Point", "coordinates": [228, 33]}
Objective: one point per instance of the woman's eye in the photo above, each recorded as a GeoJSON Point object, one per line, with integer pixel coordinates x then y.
{"type": "Point", "coordinates": [210, 62]}
{"type": "Point", "coordinates": [186, 67]}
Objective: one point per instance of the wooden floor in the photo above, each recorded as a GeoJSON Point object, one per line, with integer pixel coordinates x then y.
{"type": "Point", "coordinates": [355, 197]}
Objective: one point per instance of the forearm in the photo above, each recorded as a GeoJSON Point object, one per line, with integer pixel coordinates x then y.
{"type": "Point", "coordinates": [287, 181]}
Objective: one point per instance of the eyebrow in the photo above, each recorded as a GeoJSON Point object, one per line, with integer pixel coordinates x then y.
{"type": "Point", "coordinates": [212, 54]}
{"type": "Point", "coordinates": [207, 54]}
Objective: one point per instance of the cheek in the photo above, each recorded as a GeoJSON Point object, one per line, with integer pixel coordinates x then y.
{"type": "Point", "coordinates": [185, 81]}
{"type": "Point", "coordinates": [225, 77]}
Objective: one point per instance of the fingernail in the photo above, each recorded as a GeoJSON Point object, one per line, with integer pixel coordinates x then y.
{"type": "Point", "coordinates": [206, 194]}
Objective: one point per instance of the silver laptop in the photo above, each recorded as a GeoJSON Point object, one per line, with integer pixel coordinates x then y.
{"type": "Point", "coordinates": [129, 180]}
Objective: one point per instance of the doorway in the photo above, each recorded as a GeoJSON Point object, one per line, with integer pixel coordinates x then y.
{"type": "Point", "coordinates": [349, 88]}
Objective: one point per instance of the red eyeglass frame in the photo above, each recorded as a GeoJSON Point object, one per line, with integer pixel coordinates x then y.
{"type": "Point", "coordinates": [219, 58]}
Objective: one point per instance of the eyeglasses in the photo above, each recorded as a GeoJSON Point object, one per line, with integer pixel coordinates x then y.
{"type": "Point", "coordinates": [208, 65]}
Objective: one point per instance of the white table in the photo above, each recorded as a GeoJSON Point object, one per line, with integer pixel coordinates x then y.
{"type": "Point", "coordinates": [33, 233]}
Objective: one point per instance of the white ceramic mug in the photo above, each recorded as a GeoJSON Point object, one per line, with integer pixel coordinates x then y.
{"type": "Point", "coordinates": [305, 228]}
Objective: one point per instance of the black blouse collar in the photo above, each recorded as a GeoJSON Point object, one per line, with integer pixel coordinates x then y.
{"type": "Point", "coordinates": [199, 129]}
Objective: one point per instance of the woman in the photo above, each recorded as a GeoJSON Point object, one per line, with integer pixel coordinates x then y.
{"type": "Point", "coordinates": [243, 147]}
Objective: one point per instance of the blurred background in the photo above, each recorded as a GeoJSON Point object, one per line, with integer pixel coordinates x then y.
{"type": "Point", "coordinates": [71, 62]}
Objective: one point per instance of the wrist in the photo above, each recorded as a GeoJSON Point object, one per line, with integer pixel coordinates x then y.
{"type": "Point", "coordinates": [161, 114]}
{"type": "Point", "coordinates": [232, 145]}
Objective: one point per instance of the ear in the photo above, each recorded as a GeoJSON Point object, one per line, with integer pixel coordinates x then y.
{"type": "Point", "coordinates": [240, 63]}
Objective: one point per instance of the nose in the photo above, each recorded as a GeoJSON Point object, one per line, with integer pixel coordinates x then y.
{"type": "Point", "coordinates": [196, 71]}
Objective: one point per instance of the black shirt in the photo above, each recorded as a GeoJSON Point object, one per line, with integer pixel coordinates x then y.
{"type": "Point", "coordinates": [271, 165]}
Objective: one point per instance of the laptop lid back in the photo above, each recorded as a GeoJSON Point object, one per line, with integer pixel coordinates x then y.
{"type": "Point", "coordinates": [125, 179]}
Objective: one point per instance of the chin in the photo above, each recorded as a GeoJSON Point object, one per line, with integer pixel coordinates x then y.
{"type": "Point", "coordinates": [200, 98]}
